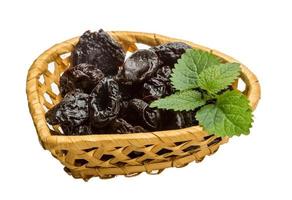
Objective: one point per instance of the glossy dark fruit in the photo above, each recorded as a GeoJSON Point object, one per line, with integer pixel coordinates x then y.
{"type": "Point", "coordinates": [122, 126]}
{"type": "Point", "coordinates": [138, 129]}
{"type": "Point", "coordinates": [99, 49]}
{"type": "Point", "coordinates": [164, 73]}
{"type": "Point", "coordinates": [130, 91]}
{"type": "Point", "coordinates": [84, 129]}
{"type": "Point", "coordinates": [71, 111]}
{"type": "Point", "coordinates": [154, 89]}
{"type": "Point", "coordinates": [177, 120]}
{"type": "Point", "coordinates": [148, 117]}
{"type": "Point", "coordinates": [104, 103]}
{"type": "Point", "coordinates": [169, 53]}
{"type": "Point", "coordinates": [82, 76]}
{"type": "Point", "coordinates": [124, 108]}
{"type": "Point", "coordinates": [158, 86]}
{"type": "Point", "coordinates": [139, 66]}
{"type": "Point", "coordinates": [103, 94]}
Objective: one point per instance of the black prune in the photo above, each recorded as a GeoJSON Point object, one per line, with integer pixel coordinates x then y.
{"type": "Point", "coordinates": [143, 114]}
{"type": "Point", "coordinates": [105, 101]}
{"type": "Point", "coordinates": [139, 66]}
{"type": "Point", "coordinates": [164, 73]}
{"type": "Point", "coordinates": [72, 111]}
{"type": "Point", "coordinates": [177, 120]}
{"type": "Point", "coordinates": [124, 108]}
{"type": "Point", "coordinates": [154, 89]}
{"type": "Point", "coordinates": [192, 121]}
{"type": "Point", "coordinates": [99, 49]}
{"type": "Point", "coordinates": [122, 126]}
{"type": "Point", "coordinates": [172, 120]}
{"type": "Point", "coordinates": [157, 86]}
{"type": "Point", "coordinates": [138, 129]}
{"type": "Point", "coordinates": [169, 53]}
{"type": "Point", "coordinates": [83, 76]}
{"type": "Point", "coordinates": [77, 130]}
{"type": "Point", "coordinates": [130, 91]}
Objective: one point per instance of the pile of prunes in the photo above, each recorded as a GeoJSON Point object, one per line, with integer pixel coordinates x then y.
{"type": "Point", "coordinates": [104, 93]}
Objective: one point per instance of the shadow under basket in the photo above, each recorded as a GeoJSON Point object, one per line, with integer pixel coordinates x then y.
{"type": "Point", "coordinates": [106, 156]}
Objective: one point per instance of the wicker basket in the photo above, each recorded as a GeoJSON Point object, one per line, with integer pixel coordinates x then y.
{"type": "Point", "coordinates": [106, 156]}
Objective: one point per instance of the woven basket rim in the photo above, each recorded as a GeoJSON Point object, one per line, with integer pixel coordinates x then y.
{"type": "Point", "coordinates": [252, 84]}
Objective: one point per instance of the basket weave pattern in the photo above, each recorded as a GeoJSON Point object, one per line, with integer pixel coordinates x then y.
{"type": "Point", "coordinates": [117, 154]}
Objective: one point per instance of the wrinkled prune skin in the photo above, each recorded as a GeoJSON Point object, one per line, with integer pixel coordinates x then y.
{"type": "Point", "coordinates": [105, 95]}
{"type": "Point", "coordinates": [169, 53]}
{"type": "Point", "coordinates": [105, 100]}
{"type": "Point", "coordinates": [130, 91]}
{"type": "Point", "coordinates": [139, 66]}
{"type": "Point", "coordinates": [164, 73]}
{"type": "Point", "coordinates": [176, 120]}
{"type": "Point", "coordinates": [82, 76]}
{"type": "Point", "coordinates": [84, 129]}
{"type": "Point", "coordinates": [158, 86]}
{"type": "Point", "coordinates": [120, 125]}
{"type": "Point", "coordinates": [124, 108]}
{"type": "Point", "coordinates": [144, 115]}
{"type": "Point", "coordinates": [72, 111]}
{"type": "Point", "coordinates": [99, 49]}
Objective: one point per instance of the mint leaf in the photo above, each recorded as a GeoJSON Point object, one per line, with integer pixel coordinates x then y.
{"type": "Point", "coordinates": [231, 115]}
{"type": "Point", "coordinates": [218, 77]}
{"type": "Point", "coordinates": [179, 101]}
{"type": "Point", "coordinates": [186, 72]}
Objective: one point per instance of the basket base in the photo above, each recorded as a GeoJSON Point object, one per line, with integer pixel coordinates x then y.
{"type": "Point", "coordinates": [87, 173]}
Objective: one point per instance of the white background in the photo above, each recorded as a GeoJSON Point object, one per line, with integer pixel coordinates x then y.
{"type": "Point", "coordinates": [257, 33]}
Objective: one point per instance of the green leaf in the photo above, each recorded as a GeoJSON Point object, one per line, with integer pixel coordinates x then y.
{"type": "Point", "coordinates": [231, 115]}
{"type": "Point", "coordinates": [216, 78]}
{"type": "Point", "coordinates": [179, 101]}
{"type": "Point", "coordinates": [186, 72]}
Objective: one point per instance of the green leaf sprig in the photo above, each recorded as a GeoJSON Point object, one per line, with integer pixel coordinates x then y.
{"type": "Point", "coordinates": [201, 82]}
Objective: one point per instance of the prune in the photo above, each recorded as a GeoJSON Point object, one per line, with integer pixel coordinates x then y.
{"type": "Point", "coordinates": [83, 76]}
{"type": "Point", "coordinates": [143, 114]}
{"type": "Point", "coordinates": [158, 86]}
{"type": "Point", "coordinates": [164, 73]}
{"type": "Point", "coordinates": [124, 108]}
{"type": "Point", "coordinates": [154, 89]}
{"type": "Point", "coordinates": [177, 120]}
{"type": "Point", "coordinates": [139, 66]}
{"type": "Point", "coordinates": [105, 95]}
{"type": "Point", "coordinates": [138, 129]}
{"type": "Point", "coordinates": [77, 130]}
{"type": "Point", "coordinates": [169, 53]}
{"type": "Point", "coordinates": [72, 111]}
{"type": "Point", "coordinates": [122, 126]}
{"type": "Point", "coordinates": [99, 49]}
{"type": "Point", "coordinates": [130, 91]}
{"type": "Point", "coordinates": [105, 101]}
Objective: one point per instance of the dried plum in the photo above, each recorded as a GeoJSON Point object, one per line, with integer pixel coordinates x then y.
{"type": "Point", "coordinates": [139, 66]}
{"type": "Point", "coordinates": [145, 115]}
{"type": "Point", "coordinates": [177, 120]}
{"type": "Point", "coordinates": [173, 120]}
{"type": "Point", "coordinates": [169, 53]}
{"type": "Point", "coordinates": [71, 111]}
{"type": "Point", "coordinates": [164, 73]}
{"type": "Point", "coordinates": [130, 91]}
{"type": "Point", "coordinates": [105, 95]}
{"type": "Point", "coordinates": [78, 130]}
{"type": "Point", "coordinates": [157, 86]}
{"type": "Point", "coordinates": [122, 126]}
{"type": "Point", "coordinates": [83, 76]}
{"type": "Point", "coordinates": [105, 101]}
{"type": "Point", "coordinates": [154, 89]}
{"type": "Point", "coordinates": [99, 49]}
